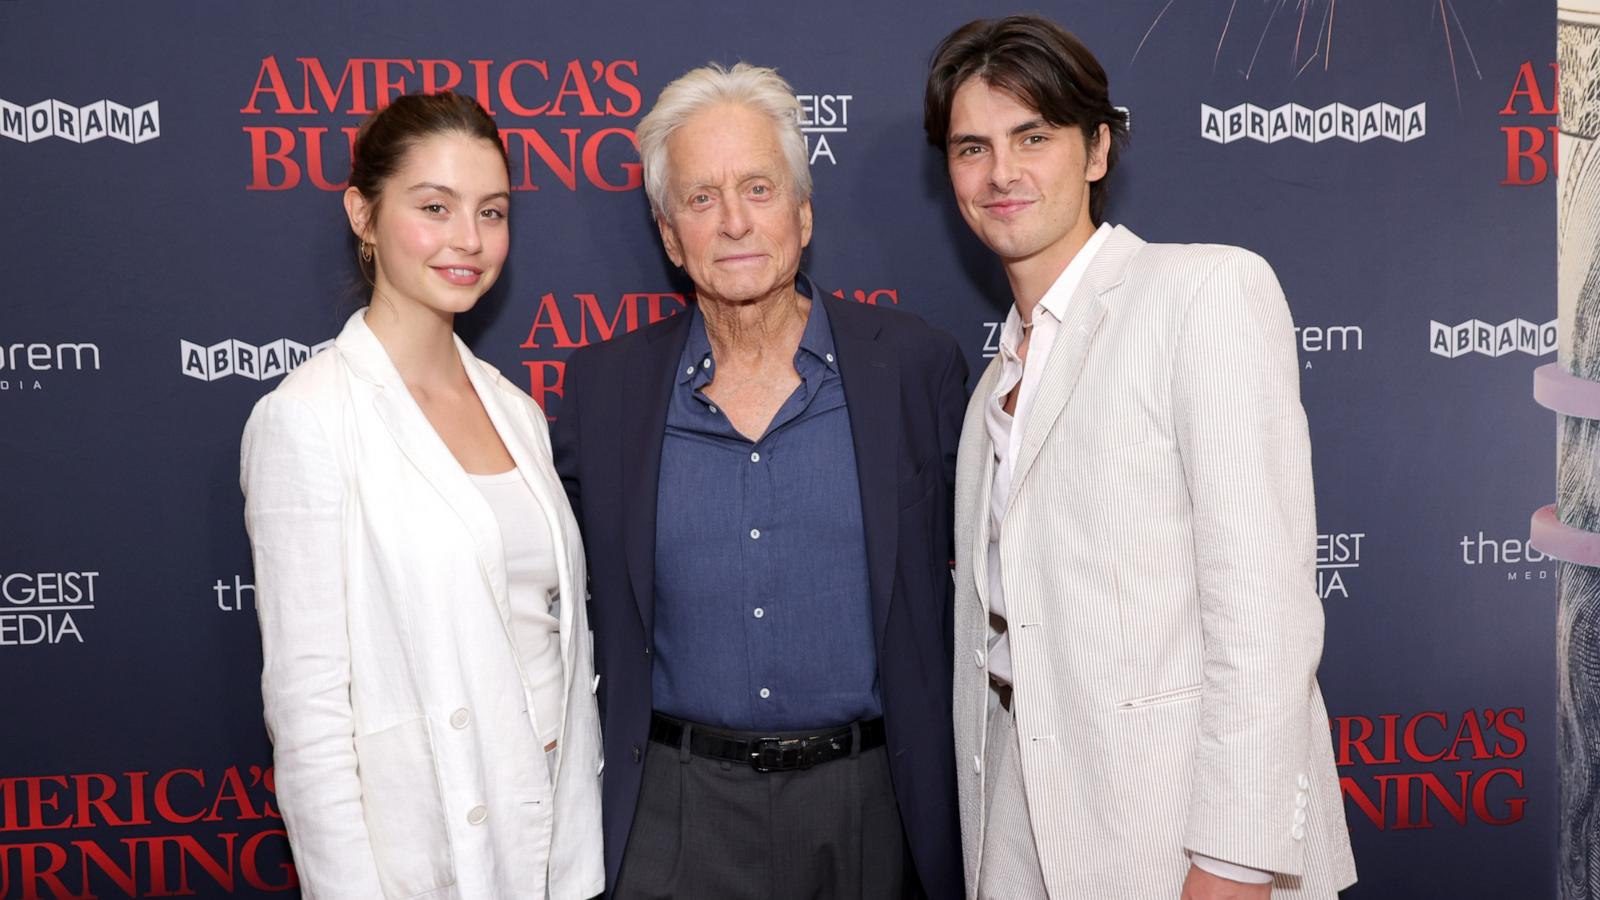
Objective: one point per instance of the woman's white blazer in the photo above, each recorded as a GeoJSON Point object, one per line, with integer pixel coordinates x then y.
{"type": "Point", "coordinates": [407, 759]}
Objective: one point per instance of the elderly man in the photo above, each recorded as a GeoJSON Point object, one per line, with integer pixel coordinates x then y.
{"type": "Point", "coordinates": [1137, 624]}
{"type": "Point", "coordinates": [764, 485]}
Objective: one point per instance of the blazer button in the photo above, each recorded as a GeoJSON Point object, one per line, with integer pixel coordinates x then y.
{"type": "Point", "coordinates": [1298, 832]}
{"type": "Point", "coordinates": [1302, 782]}
{"type": "Point", "coordinates": [635, 752]}
{"type": "Point", "coordinates": [1299, 817]}
{"type": "Point", "coordinates": [977, 658]}
{"type": "Point", "coordinates": [977, 764]}
{"type": "Point", "coordinates": [458, 719]}
{"type": "Point", "coordinates": [476, 815]}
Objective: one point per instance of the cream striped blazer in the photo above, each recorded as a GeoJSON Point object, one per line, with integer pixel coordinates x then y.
{"type": "Point", "coordinates": [1158, 557]}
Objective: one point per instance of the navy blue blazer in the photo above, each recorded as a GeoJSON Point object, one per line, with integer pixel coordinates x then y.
{"type": "Point", "coordinates": [905, 384]}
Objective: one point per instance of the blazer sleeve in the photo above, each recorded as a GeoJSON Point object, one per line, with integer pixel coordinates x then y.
{"type": "Point", "coordinates": [294, 512]}
{"type": "Point", "coordinates": [1247, 459]}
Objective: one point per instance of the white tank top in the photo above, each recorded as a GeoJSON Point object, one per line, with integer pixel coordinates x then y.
{"type": "Point", "coordinates": [531, 583]}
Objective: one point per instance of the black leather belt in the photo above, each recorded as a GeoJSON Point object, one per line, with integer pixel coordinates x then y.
{"type": "Point", "coordinates": [766, 754]}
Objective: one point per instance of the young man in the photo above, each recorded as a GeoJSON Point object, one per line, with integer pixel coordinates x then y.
{"type": "Point", "coordinates": [1137, 630]}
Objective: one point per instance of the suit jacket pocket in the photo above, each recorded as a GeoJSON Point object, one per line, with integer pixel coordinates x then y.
{"type": "Point", "coordinates": [404, 810]}
{"type": "Point", "coordinates": [1161, 698]}
{"type": "Point", "coordinates": [912, 491]}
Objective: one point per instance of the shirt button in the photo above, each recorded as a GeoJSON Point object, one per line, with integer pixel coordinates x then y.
{"type": "Point", "coordinates": [755, 534]}
{"type": "Point", "coordinates": [760, 612]}
{"type": "Point", "coordinates": [713, 409]}
{"type": "Point", "coordinates": [828, 357]}
{"type": "Point", "coordinates": [476, 815]}
{"type": "Point", "coordinates": [689, 371]}
{"type": "Point", "coordinates": [705, 363]}
{"type": "Point", "coordinates": [765, 693]}
{"type": "Point", "coordinates": [755, 456]}
{"type": "Point", "coordinates": [458, 719]}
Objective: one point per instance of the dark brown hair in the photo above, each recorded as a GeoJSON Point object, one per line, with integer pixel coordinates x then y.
{"type": "Point", "coordinates": [389, 134]}
{"type": "Point", "coordinates": [1041, 64]}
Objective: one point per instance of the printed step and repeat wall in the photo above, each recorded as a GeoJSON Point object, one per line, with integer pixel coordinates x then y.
{"type": "Point", "coordinates": [174, 243]}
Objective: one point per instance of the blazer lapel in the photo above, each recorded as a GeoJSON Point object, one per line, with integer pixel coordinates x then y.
{"type": "Point", "coordinates": [415, 437]}
{"type": "Point", "coordinates": [1085, 312]}
{"type": "Point", "coordinates": [517, 432]}
{"type": "Point", "coordinates": [640, 433]}
{"type": "Point", "coordinates": [871, 378]}
{"type": "Point", "coordinates": [975, 479]}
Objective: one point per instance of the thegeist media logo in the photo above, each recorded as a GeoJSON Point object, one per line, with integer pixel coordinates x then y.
{"type": "Point", "coordinates": [80, 124]}
{"type": "Point", "coordinates": [1338, 557]}
{"type": "Point", "coordinates": [234, 597]}
{"type": "Point", "coordinates": [1490, 339]}
{"type": "Point", "coordinates": [180, 832]}
{"type": "Point", "coordinates": [22, 363]}
{"type": "Point", "coordinates": [823, 118]}
{"type": "Point", "coordinates": [44, 607]}
{"type": "Point", "coordinates": [565, 123]}
{"type": "Point", "coordinates": [564, 323]}
{"type": "Point", "coordinates": [1404, 771]}
{"type": "Point", "coordinates": [1515, 557]}
{"type": "Point", "coordinates": [1295, 122]}
{"type": "Point", "coordinates": [255, 361]}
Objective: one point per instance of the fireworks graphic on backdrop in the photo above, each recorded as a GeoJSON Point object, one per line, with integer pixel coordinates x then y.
{"type": "Point", "coordinates": [1312, 22]}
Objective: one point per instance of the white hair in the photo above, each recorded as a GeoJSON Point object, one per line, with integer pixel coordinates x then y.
{"type": "Point", "coordinates": [756, 88]}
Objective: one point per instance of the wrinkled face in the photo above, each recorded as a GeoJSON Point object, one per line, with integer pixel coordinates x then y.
{"type": "Point", "coordinates": [732, 221]}
{"type": "Point", "coordinates": [1021, 183]}
{"type": "Point", "coordinates": [439, 232]}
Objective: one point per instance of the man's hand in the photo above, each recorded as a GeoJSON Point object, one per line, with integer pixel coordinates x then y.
{"type": "Point", "coordinates": [1202, 885]}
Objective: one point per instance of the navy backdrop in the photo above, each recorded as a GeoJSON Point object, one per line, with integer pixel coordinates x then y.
{"type": "Point", "coordinates": [173, 240]}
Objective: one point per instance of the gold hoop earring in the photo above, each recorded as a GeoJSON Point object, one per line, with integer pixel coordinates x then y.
{"type": "Point", "coordinates": [366, 252]}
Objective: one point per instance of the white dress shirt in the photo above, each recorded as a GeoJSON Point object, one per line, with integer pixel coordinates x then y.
{"type": "Point", "coordinates": [1048, 315]}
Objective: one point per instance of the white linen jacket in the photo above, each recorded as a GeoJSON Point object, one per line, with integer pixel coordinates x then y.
{"type": "Point", "coordinates": [1158, 563]}
{"type": "Point", "coordinates": [408, 763]}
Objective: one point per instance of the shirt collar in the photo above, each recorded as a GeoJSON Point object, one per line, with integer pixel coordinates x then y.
{"type": "Point", "coordinates": [1059, 296]}
{"type": "Point", "coordinates": [697, 362]}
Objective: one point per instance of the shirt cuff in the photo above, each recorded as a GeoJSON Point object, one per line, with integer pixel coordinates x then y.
{"type": "Point", "coordinates": [1231, 871]}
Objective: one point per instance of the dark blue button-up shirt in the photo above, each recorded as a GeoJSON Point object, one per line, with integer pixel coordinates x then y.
{"type": "Point", "coordinates": [763, 618]}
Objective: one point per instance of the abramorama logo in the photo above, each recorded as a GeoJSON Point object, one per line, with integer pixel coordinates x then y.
{"type": "Point", "coordinates": [1301, 123]}
{"type": "Point", "coordinates": [80, 124]}
{"type": "Point", "coordinates": [256, 361]}
{"type": "Point", "coordinates": [1489, 339]}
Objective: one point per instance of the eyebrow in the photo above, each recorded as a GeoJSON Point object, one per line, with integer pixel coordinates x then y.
{"type": "Point", "coordinates": [1021, 128]}
{"type": "Point", "coordinates": [451, 192]}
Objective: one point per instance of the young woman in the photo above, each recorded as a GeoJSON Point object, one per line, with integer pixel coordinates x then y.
{"type": "Point", "coordinates": [427, 678]}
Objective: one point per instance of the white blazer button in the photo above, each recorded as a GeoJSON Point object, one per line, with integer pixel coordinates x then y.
{"type": "Point", "coordinates": [458, 719]}
{"type": "Point", "coordinates": [476, 815]}
{"type": "Point", "coordinates": [1300, 799]}
{"type": "Point", "coordinates": [1302, 781]}
{"type": "Point", "coordinates": [1299, 832]}
{"type": "Point", "coordinates": [977, 764]}
{"type": "Point", "coordinates": [977, 658]}
{"type": "Point", "coordinates": [1299, 817]}
{"type": "Point", "coordinates": [594, 686]}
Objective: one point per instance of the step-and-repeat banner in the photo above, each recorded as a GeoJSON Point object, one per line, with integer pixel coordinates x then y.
{"type": "Point", "coordinates": [173, 243]}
